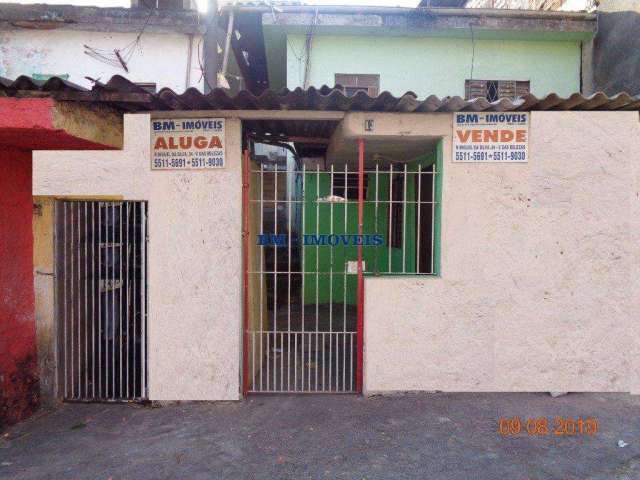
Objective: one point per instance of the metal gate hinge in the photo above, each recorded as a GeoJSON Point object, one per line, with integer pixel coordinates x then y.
{"type": "Point", "coordinates": [49, 274]}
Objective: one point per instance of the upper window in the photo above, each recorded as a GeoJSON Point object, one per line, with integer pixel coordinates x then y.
{"type": "Point", "coordinates": [354, 83]}
{"type": "Point", "coordinates": [47, 76]}
{"type": "Point", "coordinates": [148, 86]}
{"type": "Point", "coordinates": [493, 90]}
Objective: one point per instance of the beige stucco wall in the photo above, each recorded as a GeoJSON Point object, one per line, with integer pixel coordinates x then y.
{"type": "Point", "coordinates": [43, 281]}
{"type": "Point", "coordinates": [194, 256]}
{"type": "Point", "coordinates": [539, 287]}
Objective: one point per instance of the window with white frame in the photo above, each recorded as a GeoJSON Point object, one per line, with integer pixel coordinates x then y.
{"type": "Point", "coordinates": [352, 83]}
{"type": "Point", "coordinates": [150, 87]}
{"type": "Point", "coordinates": [493, 90]}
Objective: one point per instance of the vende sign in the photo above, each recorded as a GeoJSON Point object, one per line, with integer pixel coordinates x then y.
{"type": "Point", "coordinates": [187, 143]}
{"type": "Point", "coordinates": [491, 137]}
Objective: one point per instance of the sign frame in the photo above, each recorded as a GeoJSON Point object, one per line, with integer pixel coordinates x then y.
{"type": "Point", "coordinates": [202, 140]}
{"type": "Point", "coordinates": [480, 137]}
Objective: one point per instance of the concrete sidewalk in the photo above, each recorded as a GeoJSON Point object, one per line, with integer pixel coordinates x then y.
{"type": "Point", "coordinates": [418, 436]}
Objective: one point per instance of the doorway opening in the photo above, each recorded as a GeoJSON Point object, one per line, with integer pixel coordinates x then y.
{"type": "Point", "coordinates": [309, 225]}
{"type": "Point", "coordinates": [101, 304]}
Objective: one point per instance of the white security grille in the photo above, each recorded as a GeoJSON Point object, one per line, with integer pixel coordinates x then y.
{"type": "Point", "coordinates": [302, 334]}
{"type": "Point", "coordinates": [101, 258]}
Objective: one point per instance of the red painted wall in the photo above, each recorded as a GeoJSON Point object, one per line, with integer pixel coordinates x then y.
{"type": "Point", "coordinates": [18, 361]}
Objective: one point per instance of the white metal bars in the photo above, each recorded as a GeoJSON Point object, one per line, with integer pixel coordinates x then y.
{"type": "Point", "coordinates": [101, 250]}
{"type": "Point", "coordinates": [403, 206]}
{"type": "Point", "coordinates": [305, 339]}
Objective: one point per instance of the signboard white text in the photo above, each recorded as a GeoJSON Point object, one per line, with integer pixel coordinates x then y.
{"type": "Point", "coordinates": [187, 143]}
{"type": "Point", "coordinates": [501, 137]}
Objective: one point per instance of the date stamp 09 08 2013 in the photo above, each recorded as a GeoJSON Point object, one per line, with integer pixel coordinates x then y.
{"type": "Point", "coordinates": [541, 426]}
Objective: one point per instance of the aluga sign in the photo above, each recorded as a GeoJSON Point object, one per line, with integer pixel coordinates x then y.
{"type": "Point", "coordinates": [187, 144]}
{"type": "Point", "coordinates": [491, 137]}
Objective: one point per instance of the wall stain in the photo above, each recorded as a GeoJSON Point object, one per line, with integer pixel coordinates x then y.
{"type": "Point", "coordinates": [19, 395]}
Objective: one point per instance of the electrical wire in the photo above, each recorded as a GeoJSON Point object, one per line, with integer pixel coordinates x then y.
{"type": "Point", "coordinates": [120, 57]}
{"type": "Point", "coordinates": [308, 45]}
{"type": "Point", "coordinates": [473, 51]}
{"type": "Point", "coordinates": [213, 16]}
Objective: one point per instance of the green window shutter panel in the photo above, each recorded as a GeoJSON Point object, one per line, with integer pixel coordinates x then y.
{"type": "Point", "coordinates": [47, 76]}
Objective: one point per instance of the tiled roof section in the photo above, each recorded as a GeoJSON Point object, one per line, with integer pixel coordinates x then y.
{"type": "Point", "coordinates": [24, 83]}
{"type": "Point", "coordinates": [125, 95]}
{"type": "Point", "coordinates": [86, 18]}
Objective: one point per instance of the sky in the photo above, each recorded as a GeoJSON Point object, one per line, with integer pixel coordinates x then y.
{"type": "Point", "coordinates": [202, 3]}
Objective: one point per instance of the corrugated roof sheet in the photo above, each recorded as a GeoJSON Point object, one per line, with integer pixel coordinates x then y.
{"type": "Point", "coordinates": [125, 95]}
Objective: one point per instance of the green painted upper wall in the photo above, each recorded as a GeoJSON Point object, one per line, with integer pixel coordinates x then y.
{"type": "Point", "coordinates": [431, 65]}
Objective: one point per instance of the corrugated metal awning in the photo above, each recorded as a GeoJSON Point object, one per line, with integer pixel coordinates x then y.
{"type": "Point", "coordinates": [127, 96]}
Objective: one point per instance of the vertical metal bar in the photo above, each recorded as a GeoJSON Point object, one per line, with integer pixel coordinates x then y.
{"type": "Point", "coordinates": [65, 296]}
{"type": "Point", "coordinates": [344, 276]}
{"type": "Point", "coordinates": [86, 302]}
{"type": "Point", "coordinates": [245, 277]}
{"type": "Point", "coordinates": [72, 358]}
{"type": "Point", "coordinates": [100, 286]}
{"type": "Point", "coordinates": [262, 270]}
{"type": "Point", "coordinates": [121, 290]}
{"type": "Point", "coordinates": [304, 274]}
{"type": "Point", "coordinates": [404, 221]}
{"type": "Point", "coordinates": [253, 357]}
{"type": "Point", "coordinates": [289, 201]}
{"type": "Point", "coordinates": [302, 361]}
{"type": "Point", "coordinates": [143, 303]}
{"type": "Point", "coordinates": [418, 229]}
{"type": "Point", "coordinates": [136, 363]}
{"type": "Point", "coordinates": [309, 361]}
{"type": "Point", "coordinates": [113, 300]}
{"type": "Point", "coordinates": [268, 386]}
{"type": "Point", "coordinates": [128, 303]}
{"type": "Point", "coordinates": [390, 213]}
{"type": "Point", "coordinates": [337, 363]}
{"type": "Point", "coordinates": [275, 274]}
{"type": "Point", "coordinates": [351, 362]}
{"type": "Point", "coordinates": [303, 293]}
{"type": "Point", "coordinates": [376, 217]}
{"type": "Point", "coordinates": [323, 343]}
{"type": "Point", "coordinates": [360, 324]}
{"type": "Point", "coordinates": [433, 211]}
{"type": "Point", "coordinates": [78, 289]}
{"type": "Point", "coordinates": [107, 300]}
{"type": "Point", "coordinates": [93, 299]}
{"type": "Point", "coordinates": [330, 287]}
{"type": "Point", "coordinates": [317, 283]}
{"type": "Point", "coordinates": [73, 303]}
{"type": "Point", "coordinates": [295, 360]}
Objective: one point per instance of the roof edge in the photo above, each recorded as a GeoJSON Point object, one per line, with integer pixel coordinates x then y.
{"type": "Point", "coordinates": [124, 95]}
{"type": "Point", "coordinates": [435, 11]}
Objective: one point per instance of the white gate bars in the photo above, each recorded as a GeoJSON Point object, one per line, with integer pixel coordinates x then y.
{"type": "Point", "coordinates": [302, 341]}
{"type": "Point", "coordinates": [101, 290]}
{"type": "Point", "coordinates": [301, 242]}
